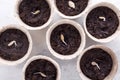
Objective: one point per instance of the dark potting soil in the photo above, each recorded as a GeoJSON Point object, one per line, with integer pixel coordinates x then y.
{"type": "Point", "coordinates": [13, 44]}
{"type": "Point", "coordinates": [102, 22]}
{"type": "Point", "coordinates": [63, 6]}
{"type": "Point", "coordinates": [34, 12]}
{"type": "Point", "coordinates": [41, 70]}
{"type": "Point", "coordinates": [102, 58]}
{"type": "Point", "coordinates": [71, 42]}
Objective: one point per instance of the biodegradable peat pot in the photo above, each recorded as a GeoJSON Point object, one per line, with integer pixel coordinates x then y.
{"type": "Point", "coordinates": [97, 63]}
{"type": "Point", "coordinates": [102, 22]}
{"type": "Point", "coordinates": [34, 14]}
{"type": "Point", "coordinates": [65, 39]}
{"type": "Point", "coordinates": [41, 68]}
{"type": "Point", "coordinates": [15, 44]}
{"type": "Point", "coordinates": [71, 9]}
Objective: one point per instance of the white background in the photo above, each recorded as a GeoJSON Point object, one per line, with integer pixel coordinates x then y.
{"type": "Point", "coordinates": [69, 71]}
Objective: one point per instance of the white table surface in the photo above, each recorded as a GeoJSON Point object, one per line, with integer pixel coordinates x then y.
{"type": "Point", "coordinates": [69, 71]}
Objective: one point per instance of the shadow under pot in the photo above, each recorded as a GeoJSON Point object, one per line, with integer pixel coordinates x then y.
{"type": "Point", "coordinates": [34, 14]}
{"type": "Point", "coordinates": [102, 22]}
{"type": "Point", "coordinates": [71, 8]}
{"type": "Point", "coordinates": [15, 44]}
{"type": "Point", "coordinates": [65, 39]}
{"type": "Point", "coordinates": [41, 68]}
{"type": "Point", "coordinates": [97, 63]}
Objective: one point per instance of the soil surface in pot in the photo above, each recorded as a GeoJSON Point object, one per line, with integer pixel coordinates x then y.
{"type": "Point", "coordinates": [71, 7]}
{"type": "Point", "coordinates": [96, 64]}
{"type": "Point", "coordinates": [14, 44]}
{"type": "Point", "coordinates": [102, 22]}
{"type": "Point", "coordinates": [34, 12]}
{"type": "Point", "coordinates": [41, 69]}
{"type": "Point", "coordinates": [65, 39]}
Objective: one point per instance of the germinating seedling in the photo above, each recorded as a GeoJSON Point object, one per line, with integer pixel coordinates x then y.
{"type": "Point", "coordinates": [102, 18]}
{"type": "Point", "coordinates": [36, 12]}
{"type": "Point", "coordinates": [12, 43]}
{"type": "Point", "coordinates": [63, 39]}
{"type": "Point", "coordinates": [95, 64]}
{"type": "Point", "coordinates": [42, 74]}
{"type": "Point", "coordinates": [71, 4]}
